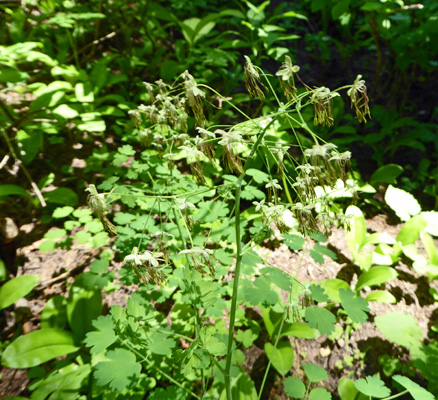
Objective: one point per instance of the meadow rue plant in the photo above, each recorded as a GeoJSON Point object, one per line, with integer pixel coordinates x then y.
{"type": "Point", "coordinates": [193, 232]}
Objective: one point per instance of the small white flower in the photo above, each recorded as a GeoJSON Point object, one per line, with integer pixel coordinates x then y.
{"type": "Point", "coordinates": [274, 183]}
{"type": "Point", "coordinates": [184, 204]}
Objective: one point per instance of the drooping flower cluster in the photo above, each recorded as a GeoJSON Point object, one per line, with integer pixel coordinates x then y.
{"type": "Point", "coordinates": [98, 204]}
{"type": "Point", "coordinates": [149, 262]}
{"type": "Point", "coordinates": [324, 167]}
{"type": "Point", "coordinates": [322, 99]}
{"type": "Point", "coordinates": [287, 81]}
{"type": "Point", "coordinates": [272, 213]}
{"type": "Point", "coordinates": [194, 96]}
{"type": "Point", "coordinates": [231, 142]}
{"type": "Point", "coordinates": [200, 258]}
{"type": "Point", "coordinates": [252, 79]}
{"type": "Point", "coordinates": [359, 99]}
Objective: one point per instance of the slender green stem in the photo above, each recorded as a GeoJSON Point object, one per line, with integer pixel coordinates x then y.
{"type": "Point", "coordinates": [174, 334]}
{"type": "Point", "coordinates": [152, 365]}
{"type": "Point", "coordinates": [272, 354]}
{"type": "Point", "coordinates": [24, 169]}
{"type": "Point", "coordinates": [73, 47]}
{"type": "Point", "coordinates": [238, 263]}
{"type": "Point", "coordinates": [396, 395]}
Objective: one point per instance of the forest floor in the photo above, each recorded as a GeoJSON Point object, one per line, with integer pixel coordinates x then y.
{"type": "Point", "coordinates": [353, 356]}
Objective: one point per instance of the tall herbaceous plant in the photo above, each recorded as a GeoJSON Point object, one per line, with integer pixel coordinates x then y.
{"type": "Point", "coordinates": [197, 203]}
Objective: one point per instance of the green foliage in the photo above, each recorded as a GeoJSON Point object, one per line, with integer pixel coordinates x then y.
{"type": "Point", "coordinates": [38, 347]}
{"type": "Point", "coordinates": [196, 191]}
{"type": "Point", "coordinates": [17, 288]}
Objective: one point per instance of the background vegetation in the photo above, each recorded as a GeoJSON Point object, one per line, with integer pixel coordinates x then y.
{"type": "Point", "coordinates": [78, 124]}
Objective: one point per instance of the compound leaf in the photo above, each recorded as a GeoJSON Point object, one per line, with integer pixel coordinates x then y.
{"type": "Point", "coordinates": [120, 371]}
{"type": "Point", "coordinates": [356, 307]}
{"type": "Point", "coordinates": [104, 336]}
{"type": "Point", "coordinates": [373, 387]}
{"type": "Point", "coordinates": [416, 391]}
{"type": "Point", "coordinates": [321, 319]}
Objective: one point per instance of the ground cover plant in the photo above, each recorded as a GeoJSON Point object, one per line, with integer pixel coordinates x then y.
{"type": "Point", "coordinates": [188, 181]}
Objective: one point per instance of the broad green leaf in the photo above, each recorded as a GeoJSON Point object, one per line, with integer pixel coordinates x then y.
{"type": "Point", "coordinates": [242, 388]}
{"type": "Point", "coordinates": [55, 233]}
{"type": "Point", "coordinates": [425, 359]}
{"type": "Point", "coordinates": [95, 125]}
{"type": "Point", "coordinates": [321, 319]}
{"type": "Point", "coordinates": [386, 174]}
{"type": "Point", "coordinates": [346, 389]}
{"type": "Point", "coordinates": [331, 288]}
{"type": "Point", "coordinates": [320, 394]}
{"type": "Point", "coordinates": [315, 373]}
{"type": "Point", "coordinates": [64, 196]}
{"type": "Point", "coordinates": [356, 307]}
{"type": "Point", "coordinates": [384, 255]}
{"type": "Point", "coordinates": [283, 357]}
{"type": "Point", "coordinates": [373, 387]}
{"type": "Point", "coordinates": [399, 328]}
{"type": "Point", "coordinates": [293, 387]}
{"type": "Point", "coordinates": [66, 111]}
{"type": "Point", "coordinates": [300, 330]}
{"type": "Point", "coordinates": [84, 304]}
{"type": "Point", "coordinates": [358, 230]}
{"type": "Point", "coordinates": [47, 246]}
{"type": "Point", "coordinates": [29, 145]}
{"type": "Point", "coordinates": [294, 242]}
{"type": "Point", "coordinates": [340, 8]}
{"type": "Point", "coordinates": [403, 203]}
{"type": "Point", "coordinates": [409, 233]}
{"type": "Point", "coordinates": [375, 277]}
{"type": "Point", "coordinates": [431, 217]}
{"type": "Point", "coordinates": [61, 384]}
{"type": "Point", "coordinates": [103, 337]}
{"type": "Point", "coordinates": [415, 390]}
{"type": "Point", "coordinates": [9, 75]}
{"type": "Point", "coordinates": [3, 271]}
{"type": "Point", "coordinates": [7, 190]}
{"type": "Point", "coordinates": [54, 314]}
{"type": "Point", "coordinates": [271, 319]}
{"type": "Point", "coordinates": [429, 246]}
{"type": "Point", "coordinates": [62, 212]}
{"type": "Point", "coordinates": [17, 288]}
{"type": "Point", "coordinates": [84, 92]}
{"type": "Point", "coordinates": [381, 296]}
{"type": "Point", "coordinates": [38, 347]}
{"type": "Point", "coordinates": [378, 237]}
{"type": "Point", "coordinates": [121, 371]}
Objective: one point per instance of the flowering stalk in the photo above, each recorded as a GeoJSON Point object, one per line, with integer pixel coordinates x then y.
{"type": "Point", "coordinates": [238, 262]}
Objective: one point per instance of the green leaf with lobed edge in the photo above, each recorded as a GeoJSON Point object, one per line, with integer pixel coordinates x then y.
{"type": "Point", "coordinates": [120, 371]}
{"type": "Point", "coordinates": [356, 307]}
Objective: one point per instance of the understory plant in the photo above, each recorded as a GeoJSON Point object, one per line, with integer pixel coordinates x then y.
{"type": "Point", "coordinates": [199, 199]}
{"type": "Point", "coordinates": [191, 221]}
{"type": "Point", "coordinates": [193, 202]}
